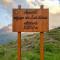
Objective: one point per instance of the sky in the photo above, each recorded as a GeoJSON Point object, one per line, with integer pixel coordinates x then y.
{"type": "Point", "coordinates": [6, 7]}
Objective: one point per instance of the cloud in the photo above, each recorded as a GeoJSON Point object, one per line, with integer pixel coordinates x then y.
{"type": "Point", "coordinates": [54, 21]}
{"type": "Point", "coordinates": [32, 4]}
{"type": "Point", "coordinates": [53, 5]}
{"type": "Point", "coordinates": [10, 2]}
{"type": "Point", "coordinates": [5, 18]}
{"type": "Point", "coordinates": [1, 25]}
{"type": "Point", "coordinates": [6, 2]}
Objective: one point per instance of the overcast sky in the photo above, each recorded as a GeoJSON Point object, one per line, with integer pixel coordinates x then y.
{"type": "Point", "coordinates": [7, 5]}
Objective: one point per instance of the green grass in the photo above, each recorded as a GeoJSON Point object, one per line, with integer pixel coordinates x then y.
{"type": "Point", "coordinates": [51, 47]}
{"type": "Point", "coordinates": [7, 52]}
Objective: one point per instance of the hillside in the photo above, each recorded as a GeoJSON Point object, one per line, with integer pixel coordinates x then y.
{"type": "Point", "coordinates": [30, 47]}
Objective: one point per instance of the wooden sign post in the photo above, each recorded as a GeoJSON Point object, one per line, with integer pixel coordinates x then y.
{"type": "Point", "coordinates": [42, 46]}
{"type": "Point", "coordinates": [19, 45]}
{"type": "Point", "coordinates": [31, 20]}
{"type": "Point", "coordinates": [42, 43]}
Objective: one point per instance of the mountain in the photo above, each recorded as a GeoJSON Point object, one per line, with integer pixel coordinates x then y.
{"type": "Point", "coordinates": [7, 35]}
{"type": "Point", "coordinates": [6, 28]}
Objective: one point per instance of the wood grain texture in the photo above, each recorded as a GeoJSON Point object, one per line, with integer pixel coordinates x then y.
{"type": "Point", "coordinates": [42, 46]}
{"type": "Point", "coordinates": [19, 45]}
{"type": "Point", "coordinates": [30, 20]}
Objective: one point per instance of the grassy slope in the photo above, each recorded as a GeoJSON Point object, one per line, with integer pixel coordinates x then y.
{"type": "Point", "coordinates": [30, 47]}
{"type": "Point", "coordinates": [8, 52]}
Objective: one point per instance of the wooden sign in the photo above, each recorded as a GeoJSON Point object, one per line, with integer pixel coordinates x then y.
{"type": "Point", "coordinates": [30, 20]}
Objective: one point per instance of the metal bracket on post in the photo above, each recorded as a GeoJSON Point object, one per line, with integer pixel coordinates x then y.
{"type": "Point", "coordinates": [42, 6]}
{"type": "Point", "coordinates": [19, 6]}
